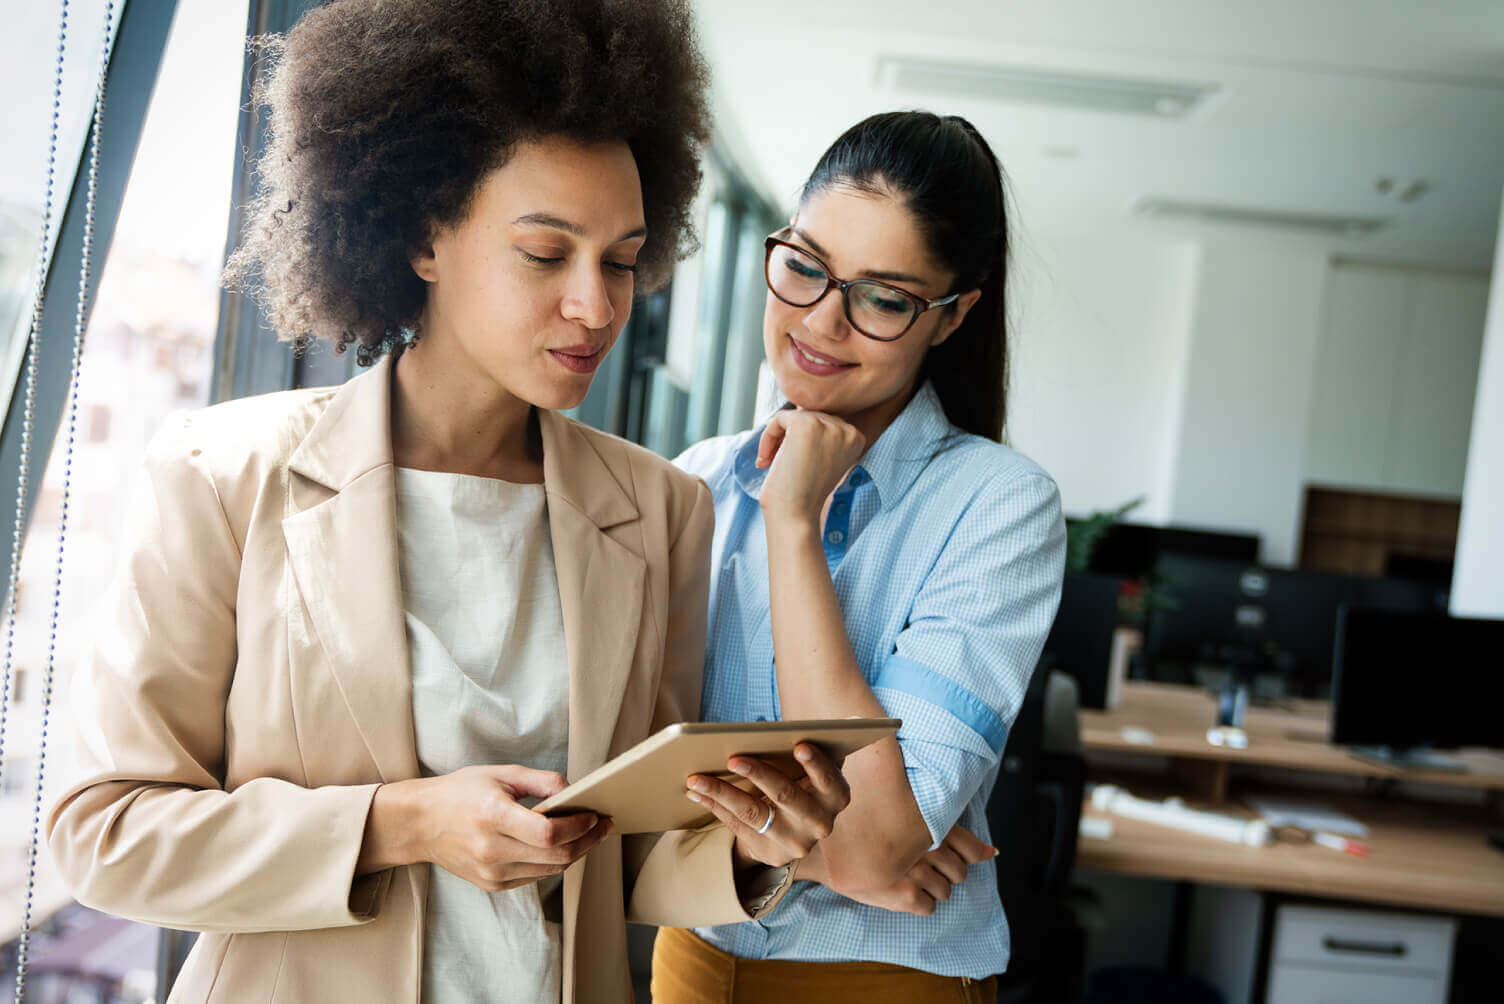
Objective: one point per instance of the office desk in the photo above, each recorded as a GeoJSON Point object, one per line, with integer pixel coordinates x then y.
{"type": "Point", "coordinates": [1421, 855]}
{"type": "Point", "coordinates": [1426, 857]}
{"type": "Point", "coordinates": [1296, 736]}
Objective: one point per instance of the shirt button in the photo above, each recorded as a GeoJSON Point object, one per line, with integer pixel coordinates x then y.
{"type": "Point", "coordinates": [835, 536]}
{"type": "Point", "coordinates": [761, 718]}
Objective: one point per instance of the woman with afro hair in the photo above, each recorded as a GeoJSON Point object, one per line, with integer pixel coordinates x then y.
{"type": "Point", "coordinates": [359, 628]}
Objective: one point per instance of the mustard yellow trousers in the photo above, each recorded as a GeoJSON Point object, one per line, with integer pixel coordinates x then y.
{"type": "Point", "coordinates": [687, 970]}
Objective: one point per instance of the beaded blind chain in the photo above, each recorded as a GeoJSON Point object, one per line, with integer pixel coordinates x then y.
{"type": "Point", "coordinates": [29, 409]}
{"type": "Point", "coordinates": [80, 316]}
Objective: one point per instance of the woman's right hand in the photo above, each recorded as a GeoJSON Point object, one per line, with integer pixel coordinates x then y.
{"type": "Point", "coordinates": [808, 454]}
{"type": "Point", "coordinates": [470, 824]}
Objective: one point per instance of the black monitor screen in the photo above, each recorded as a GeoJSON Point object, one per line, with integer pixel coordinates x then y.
{"type": "Point", "coordinates": [1080, 642]}
{"type": "Point", "coordinates": [1261, 619]}
{"type": "Point", "coordinates": [1419, 568]}
{"type": "Point", "coordinates": [1410, 595]}
{"type": "Point", "coordinates": [1407, 680]}
{"type": "Point", "coordinates": [1130, 550]}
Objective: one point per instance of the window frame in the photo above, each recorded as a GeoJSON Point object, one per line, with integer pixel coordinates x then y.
{"type": "Point", "coordinates": [131, 76]}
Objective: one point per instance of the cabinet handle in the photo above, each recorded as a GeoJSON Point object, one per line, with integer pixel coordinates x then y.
{"type": "Point", "coordinates": [1394, 949]}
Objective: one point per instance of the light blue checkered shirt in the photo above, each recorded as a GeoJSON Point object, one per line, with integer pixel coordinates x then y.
{"type": "Point", "coordinates": [946, 550]}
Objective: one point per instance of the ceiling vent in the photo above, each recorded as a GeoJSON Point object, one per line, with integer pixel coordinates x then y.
{"type": "Point", "coordinates": [1133, 96]}
{"type": "Point", "coordinates": [1312, 223]}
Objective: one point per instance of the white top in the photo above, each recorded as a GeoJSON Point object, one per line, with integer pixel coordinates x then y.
{"type": "Point", "coordinates": [490, 686]}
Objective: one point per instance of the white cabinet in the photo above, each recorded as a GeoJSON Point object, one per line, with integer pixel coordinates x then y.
{"type": "Point", "coordinates": [1332, 956]}
{"type": "Point", "coordinates": [1294, 985]}
{"type": "Point", "coordinates": [1396, 374]}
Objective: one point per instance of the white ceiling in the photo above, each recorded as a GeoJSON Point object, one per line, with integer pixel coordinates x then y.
{"type": "Point", "coordinates": [1316, 100]}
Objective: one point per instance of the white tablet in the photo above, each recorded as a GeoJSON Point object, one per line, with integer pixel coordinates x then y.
{"type": "Point", "coordinates": [643, 789]}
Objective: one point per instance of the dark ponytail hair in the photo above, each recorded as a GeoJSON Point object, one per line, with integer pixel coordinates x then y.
{"type": "Point", "coordinates": [951, 182]}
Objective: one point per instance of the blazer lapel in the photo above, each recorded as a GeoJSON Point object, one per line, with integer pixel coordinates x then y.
{"type": "Point", "coordinates": [601, 588]}
{"type": "Point", "coordinates": [342, 544]}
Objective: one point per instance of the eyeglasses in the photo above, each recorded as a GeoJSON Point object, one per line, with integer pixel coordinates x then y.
{"type": "Point", "coordinates": [873, 308]}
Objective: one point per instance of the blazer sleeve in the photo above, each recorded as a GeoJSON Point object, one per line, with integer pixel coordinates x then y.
{"type": "Point", "coordinates": [148, 830]}
{"type": "Point", "coordinates": [686, 878]}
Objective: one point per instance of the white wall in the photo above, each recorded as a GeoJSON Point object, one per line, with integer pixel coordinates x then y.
{"type": "Point", "coordinates": [1101, 328]}
{"type": "Point", "coordinates": [1255, 328]}
{"type": "Point", "coordinates": [1185, 369]}
{"type": "Point", "coordinates": [1478, 580]}
{"type": "Point", "coordinates": [1347, 439]}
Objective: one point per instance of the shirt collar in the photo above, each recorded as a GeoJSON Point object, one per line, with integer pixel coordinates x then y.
{"type": "Point", "coordinates": [891, 464]}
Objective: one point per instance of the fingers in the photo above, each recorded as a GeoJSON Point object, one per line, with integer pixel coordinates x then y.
{"type": "Point", "coordinates": [744, 814]}
{"type": "Point", "coordinates": [591, 839]}
{"type": "Point", "coordinates": [935, 885]}
{"type": "Point", "coordinates": [511, 875]}
{"type": "Point", "coordinates": [528, 827]}
{"type": "Point", "coordinates": [847, 438]}
{"type": "Point", "coordinates": [804, 808]}
{"type": "Point", "coordinates": [772, 438]}
{"type": "Point", "coordinates": [911, 897]}
{"type": "Point", "coordinates": [781, 820]}
{"type": "Point", "coordinates": [971, 848]}
{"type": "Point", "coordinates": [947, 862]}
{"type": "Point", "coordinates": [513, 863]}
{"type": "Point", "coordinates": [743, 827]}
{"type": "Point", "coordinates": [812, 812]}
{"type": "Point", "coordinates": [548, 860]}
{"type": "Point", "coordinates": [824, 774]}
{"type": "Point", "coordinates": [524, 782]}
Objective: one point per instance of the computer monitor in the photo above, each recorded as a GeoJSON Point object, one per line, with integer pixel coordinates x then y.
{"type": "Point", "coordinates": [1419, 568]}
{"type": "Point", "coordinates": [1080, 641]}
{"type": "Point", "coordinates": [1130, 550]}
{"type": "Point", "coordinates": [1256, 620]}
{"type": "Point", "coordinates": [1407, 681]}
{"type": "Point", "coordinates": [1414, 595]}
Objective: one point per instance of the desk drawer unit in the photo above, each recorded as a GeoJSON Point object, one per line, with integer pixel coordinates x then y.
{"type": "Point", "coordinates": [1328, 956]}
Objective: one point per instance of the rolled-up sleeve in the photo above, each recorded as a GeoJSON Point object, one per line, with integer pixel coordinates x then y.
{"type": "Point", "coordinates": [960, 667]}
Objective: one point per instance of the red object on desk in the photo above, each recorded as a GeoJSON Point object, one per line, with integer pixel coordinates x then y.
{"type": "Point", "coordinates": [1343, 844]}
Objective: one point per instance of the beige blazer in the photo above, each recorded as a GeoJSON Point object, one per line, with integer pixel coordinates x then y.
{"type": "Point", "coordinates": [248, 688]}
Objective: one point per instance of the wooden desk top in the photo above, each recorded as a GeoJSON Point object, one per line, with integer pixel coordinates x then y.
{"type": "Point", "coordinates": [1423, 856]}
{"type": "Point", "coordinates": [1299, 737]}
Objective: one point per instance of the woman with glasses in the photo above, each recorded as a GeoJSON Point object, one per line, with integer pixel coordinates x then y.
{"type": "Point", "coordinates": [359, 629]}
{"type": "Point", "coordinates": [878, 552]}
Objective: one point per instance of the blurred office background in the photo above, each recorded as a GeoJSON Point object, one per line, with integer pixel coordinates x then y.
{"type": "Point", "coordinates": [1258, 340]}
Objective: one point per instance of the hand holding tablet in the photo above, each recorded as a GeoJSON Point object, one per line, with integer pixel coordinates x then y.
{"type": "Point", "coordinates": [644, 790]}
{"type": "Point", "coordinates": [780, 818]}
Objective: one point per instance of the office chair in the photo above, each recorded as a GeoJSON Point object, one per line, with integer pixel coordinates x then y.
{"type": "Point", "coordinates": [1034, 814]}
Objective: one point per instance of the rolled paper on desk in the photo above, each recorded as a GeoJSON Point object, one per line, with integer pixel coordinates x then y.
{"type": "Point", "coordinates": [1173, 812]}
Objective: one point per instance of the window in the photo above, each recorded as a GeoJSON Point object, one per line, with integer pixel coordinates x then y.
{"type": "Point", "coordinates": [687, 366]}
{"type": "Point", "coordinates": [28, 52]}
{"type": "Point", "coordinates": [148, 353]}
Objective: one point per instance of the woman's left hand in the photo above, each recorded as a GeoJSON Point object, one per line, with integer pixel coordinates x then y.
{"type": "Point", "coordinates": [784, 818]}
{"type": "Point", "coordinates": [931, 879]}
